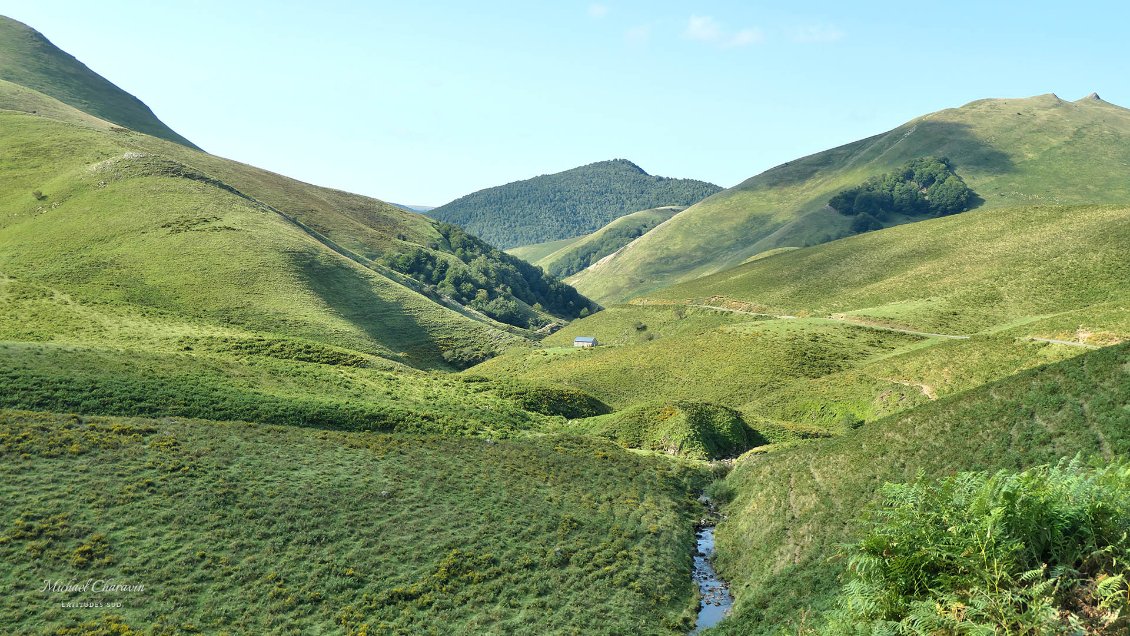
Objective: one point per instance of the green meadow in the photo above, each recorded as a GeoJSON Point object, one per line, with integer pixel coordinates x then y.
{"type": "Point", "coordinates": [251, 528]}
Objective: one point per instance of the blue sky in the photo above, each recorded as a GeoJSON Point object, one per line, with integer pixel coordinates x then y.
{"type": "Point", "coordinates": [422, 102]}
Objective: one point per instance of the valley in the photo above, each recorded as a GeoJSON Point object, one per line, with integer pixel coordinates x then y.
{"type": "Point", "coordinates": [265, 406]}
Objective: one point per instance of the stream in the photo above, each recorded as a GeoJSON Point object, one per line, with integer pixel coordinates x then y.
{"type": "Point", "coordinates": [715, 601]}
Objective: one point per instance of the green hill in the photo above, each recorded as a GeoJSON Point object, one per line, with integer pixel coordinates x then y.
{"type": "Point", "coordinates": [566, 204]}
{"type": "Point", "coordinates": [143, 277]}
{"type": "Point", "coordinates": [689, 429]}
{"type": "Point", "coordinates": [794, 509]}
{"type": "Point", "coordinates": [29, 59]}
{"type": "Point", "coordinates": [568, 256]}
{"type": "Point", "coordinates": [1011, 152]}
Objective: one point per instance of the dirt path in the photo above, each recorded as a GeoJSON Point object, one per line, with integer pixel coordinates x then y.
{"type": "Point", "coordinates": [742, 311]}
{"type": "Point", "coordinates": [924, 334]}
{"type": "Point", "coordinates": [837, 318]}
{"type": "Point", "coordinates": [926, 389]}
{"type": "Point", "coordinates": [1070, 343]}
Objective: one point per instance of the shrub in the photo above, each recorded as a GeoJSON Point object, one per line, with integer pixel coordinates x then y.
{"type": "Point", "coordinates": [926, 185]}
{"type": "Point", "coordinates": [1038, 552]}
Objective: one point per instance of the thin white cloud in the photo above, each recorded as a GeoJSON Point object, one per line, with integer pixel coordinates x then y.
{"type": "Point", "coordinates": [704, 28]}
{"type": "Point", "coordinates": [745, 37]}
{"type": "Point", "coordinates": [598, 10]}
{"type": "Point", "coordinates": [816, 34]}
{"type": "Point", "coordinates": [638, 35]}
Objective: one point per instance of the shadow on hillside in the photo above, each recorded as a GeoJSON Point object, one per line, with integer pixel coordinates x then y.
{"type": "Point", "coordinates": [351, 295]}
{"type": "Point", "coordinates": [956, 141]}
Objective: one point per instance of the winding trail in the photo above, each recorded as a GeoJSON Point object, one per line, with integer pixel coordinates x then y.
{"type": "Point", "coordinates": [868, 325]}
{"type": "Point", "coordinates": [843, 319]}
{"type": "Point", "coordinates": [743, 311]}
{"type": "Point", "coordinates": [846, 320]}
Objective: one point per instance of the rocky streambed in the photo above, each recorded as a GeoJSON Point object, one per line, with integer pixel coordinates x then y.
{"type": "Point", "coordinates": [714, 593]}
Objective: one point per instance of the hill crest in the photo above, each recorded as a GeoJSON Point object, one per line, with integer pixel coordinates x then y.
{"type": "Point", "coordinates": [29, 59]}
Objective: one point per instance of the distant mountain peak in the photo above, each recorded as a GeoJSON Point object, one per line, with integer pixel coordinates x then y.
{"type": "Point", "coordinates": [566, 204]}
{"type": "Point", "coordinates": [622, 163]}
{"type": "Point", "coordinates": [1094, 96]}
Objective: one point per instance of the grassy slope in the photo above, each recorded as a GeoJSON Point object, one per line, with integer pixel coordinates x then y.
{"type": "Point", "coordinates": [792, 507]}
{"type": "Point", "coordinates": [188, 247]}
{"type": "Point", "coordinates": [29, 59]}
{"type": "Point", "coordinates": [959, 274]}
{"type": "Point", "coordinates": [103, 358]}
{"type": "Point", "coordinates": [537, 251]}
{"type": "Point", "coordinates": [687, 429]}
{"type": "Point", "coordinates": [1011, 151]}
{"type": "Point", "coordinates": [285, 530]}
{"type": "Point", "coordinates": [566, 204]}
{"type": "Point", "coordinates": [170, 217]}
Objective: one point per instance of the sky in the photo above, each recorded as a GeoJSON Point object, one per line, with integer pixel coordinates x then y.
{"type": "Point", "coordinates": [422, 102]}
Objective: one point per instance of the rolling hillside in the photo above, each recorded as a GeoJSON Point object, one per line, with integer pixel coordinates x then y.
{"type": "Point", "coordinates": [29, 59]}
{"type": "Point", "coordinates": [279, 255]}
{"type": "Point", "coordinates": [794, 509]}
{"type": "Point", "coordinates": [1011, 152]}
{"type": "Point", "coordinates": [957, 275]}
{"type": "Point", "coordinates": [817, 340]}
{"type": "Point", "coordinates": [566, 204]}
{"type": "Point", "coordinates": [141, 278]}
{"type": "Point", "coordinates": [569, 256]}
{"type": "Point", "coordinates": [283, 408]}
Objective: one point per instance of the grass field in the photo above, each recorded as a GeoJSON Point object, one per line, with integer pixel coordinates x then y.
{"type": "Point", "coordinates": [245, 528]}
{"type": "Point", "coordinates": [822, 340]}
{"type": "Point", "coordinates": [213, 385]}
{"type": "Point", "coordinates": [1012, 152]}
{"type": "Point", "coordinates": [537, 251]}
{"type": "Point", "coordinates": [803, 374]}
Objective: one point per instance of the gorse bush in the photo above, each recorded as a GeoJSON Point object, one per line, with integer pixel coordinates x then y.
{"type": "Point", "coordinates": [1044, 551]}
